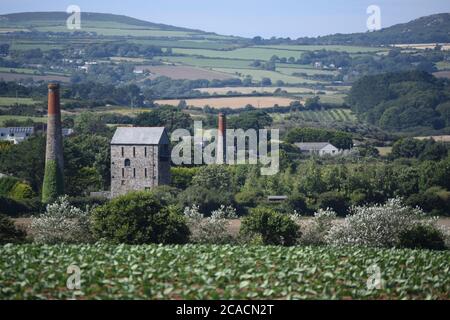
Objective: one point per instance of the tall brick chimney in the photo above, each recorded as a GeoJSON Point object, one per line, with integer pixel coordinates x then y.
{"type": "Point", "coordinates": [54, 162]}
{"type": "Point", "coordinates": [221, 148]}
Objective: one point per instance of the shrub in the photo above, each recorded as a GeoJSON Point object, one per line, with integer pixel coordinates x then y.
{"type": "Point", "coordinates": [62, 223]}
{"type": "Point", "coordinates": [87, 202]}
{"type": "Point", "coordinates": [211, 230]}
{"type": "Point", "coordinates": [10, 233]}
{"type": "Point", "coordinates": [334, 200]}
{"type": "Point", "coordinates": [434, 200]}
{"type": "Point", "coordinates": [316, 231]}
{"type": "Point", "coordinates": [273, 227]}
{"type": "Point", "coordinates": [377, 226]}
{"type": "Point", "coordinates": [208, 200]}
{"type": "Point", "coordinates": [139, 218]}
{"type": "Point", "coordinates": [21, 191]}
{"type": "Point", "coordinates": [295, 202]}
{"type": "Point", "coordinates": [15, 208]}
{"type": "Point", "coordinates": [6, 185]}
{"type": "Point", "coordinates": [423, 237]}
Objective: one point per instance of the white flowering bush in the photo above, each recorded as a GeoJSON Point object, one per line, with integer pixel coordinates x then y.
{"type": "Point", "coordinates": [213, 229]}
{"type": "Point", "coordinates": [61, 223]}
{"type": "Point", "coordinates": [378, 225]}
{"type": "Point", "coordinates": [316, 231]}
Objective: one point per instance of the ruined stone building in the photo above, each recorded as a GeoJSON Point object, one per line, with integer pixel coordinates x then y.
{"type": "Point", "coordinates": [140, 159]}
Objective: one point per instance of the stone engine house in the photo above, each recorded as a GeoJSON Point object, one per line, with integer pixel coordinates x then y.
{"type": "Point", "coordinates": [140, 159]}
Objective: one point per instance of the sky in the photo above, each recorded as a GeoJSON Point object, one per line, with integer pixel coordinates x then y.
{"type": "Point", "coordinates": [249, 18]}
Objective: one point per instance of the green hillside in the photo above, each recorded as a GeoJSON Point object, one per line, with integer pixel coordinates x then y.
{"type": "Point", "coordinates": [100, 23]}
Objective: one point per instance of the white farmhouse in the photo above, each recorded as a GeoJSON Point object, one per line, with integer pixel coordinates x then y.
{"type": "Point", "coordinates": [318, 148]}
{"type": "Point", "coordinates": [16, 134]}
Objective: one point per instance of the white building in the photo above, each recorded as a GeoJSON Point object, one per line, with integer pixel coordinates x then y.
{"type": "Point", "coordinates": [16, 134]}
{"type": "Point", "coordinates": [318, 148]}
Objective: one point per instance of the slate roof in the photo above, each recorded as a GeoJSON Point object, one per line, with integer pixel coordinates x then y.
{"type": "Point", "coordinates": [312, 145]}
{"type": "Point", "coordinates": [140, 135]}
{"type": "Point", "coordinates": [17, 130]}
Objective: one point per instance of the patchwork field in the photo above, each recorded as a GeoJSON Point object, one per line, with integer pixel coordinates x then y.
{"type": "Point", "coordinates": [442, 74]}
{"type": "Point", "coordinates": [322, 116]}
{"type": "Point", "coordinates": [258, 75]}
{"type": "Point", "coordinates": [445, 138]}
{"type": "Point", "coordinates": [232, 102]}
{"type": "Point", "coordinates": [183, 72]}
{"type": "Point", "coordinates": [221, 272]}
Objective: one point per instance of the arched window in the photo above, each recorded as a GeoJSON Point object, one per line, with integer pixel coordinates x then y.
{"type": "Point", "coordinates": [127, 162]}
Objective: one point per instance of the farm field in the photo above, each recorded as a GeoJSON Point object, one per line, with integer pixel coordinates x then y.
{"type": "Point", "coordinates": [21, 118]}
{"type": "Point", "coordinates": [220, 272]}
{"type": "Point", "coordinates": [183, 72]}
{"type": "Point", "coordinates": [341, 48]}
{"type": "Point", "coordinates": [231, 102]}
{"type": "Point", "coordinates": [6, 76]}
{"type": "Point", "coordinates": [442, 74]}
{"type": "Point", "coordinates": [258, 75]}
{"type": "Point", "coordinates": [384, 151]}
{"type": "Point", "coordinates": [249, 90]}
{"type": "Point", "coordinates": [9, 101]}
{"type": "Point", "coordinates": [445, 138]}
{"type": "Point", "coordinates": [335, 115]}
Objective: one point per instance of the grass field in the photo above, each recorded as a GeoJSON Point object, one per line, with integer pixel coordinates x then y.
{"type": "Point", "coordinates": [384, 151]}
{"type": "Point", "coordinates": [221, 272]}
{"type": "Point", "coordinates": [258, 75]}
{"type": "Point", "coordinates": [232, 102]}
{"type": "Point", "coordinates": [184, 72]}
{"type": "Point", "coordinates": [9, 101]}
{"type": "Point", "coordinates": [342, 48]}
{"type": "Point", "coordinates": [6, 76]}
{"type": "Point", "coordinates": [249, 90]}
{"type": "Point", "coordinates": [21, 118]}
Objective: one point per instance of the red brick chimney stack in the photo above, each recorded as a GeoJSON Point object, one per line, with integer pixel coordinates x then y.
{"type": "Point", "coordinates": [221, 140]}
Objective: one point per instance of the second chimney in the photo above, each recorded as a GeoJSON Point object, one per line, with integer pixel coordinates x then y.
{"type": "Point", "coordinates": [221, 140]}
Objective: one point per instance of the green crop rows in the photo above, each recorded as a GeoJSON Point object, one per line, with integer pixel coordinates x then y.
{"type": "Point", "coordinates": [220, 272]}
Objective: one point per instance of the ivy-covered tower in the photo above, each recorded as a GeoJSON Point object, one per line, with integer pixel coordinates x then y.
{"type": "Point", "coordinates": [54, 161]}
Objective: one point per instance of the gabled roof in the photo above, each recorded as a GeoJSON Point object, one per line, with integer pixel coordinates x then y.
{"type": "Point", "coordinates": [313, 145]}
{"type": "Point", "coordinates": [140, 135]}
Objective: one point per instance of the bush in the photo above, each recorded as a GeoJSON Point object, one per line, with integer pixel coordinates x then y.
{"type": "Point", "coordinates": [87, 202]}
{"type": "Point", "coordinates": [208, 200]}
{"type": "Point", "coordinates": [211, 230]}
{"type": "Point", "coordinates": [423, 237]}
{"type": "Point", "coordinates": [15, 208]}
{"type": "Point", "coordinates": [9, 233]}
{"type": "Point", "coordinates": [62, 223]}
{"type": "Point", "coordinates": [434, 200]}
{"type": "Point", "coordinates": [21, 191]}
{"type": "Point", "coordinates": [274, 228]}
{"type": "Point", "coordinates": [334, 200]}
{"type": "Point", "coordinates": [377, 226]}
{"type": "Point", "coordinates": [139, 218]}
{"type": "Point", "coordinates": [315, 233]}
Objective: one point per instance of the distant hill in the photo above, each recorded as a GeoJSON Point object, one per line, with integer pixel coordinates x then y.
{"type": "Point", "coordinates": [430, 29]}
{"type": "Point", "coordinates": [402, 101]}
{"type": "Point", "coordinates": [101, 23]}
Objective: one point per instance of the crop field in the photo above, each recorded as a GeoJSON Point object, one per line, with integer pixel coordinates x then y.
{"type": "Point", "coordinates": [208, 62]}
{"type": "Point", "coordinates": [308, 71]}
{"type": "Point", "coordinates": [258, 75]}
{"type": "Point", "coordinates": [183, 72]}
{"type": "Point", "coordinates": [332, 115]}
{"type": "Point", "coordinates": [231, 102]}
{"type": "Point", "coordinates": [444, 138]}
{"type": "Point", "coordinates": [221, 272]}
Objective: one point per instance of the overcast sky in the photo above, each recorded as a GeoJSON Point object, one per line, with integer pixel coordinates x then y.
{"type": "Point", "coordinates": [281, 18]}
